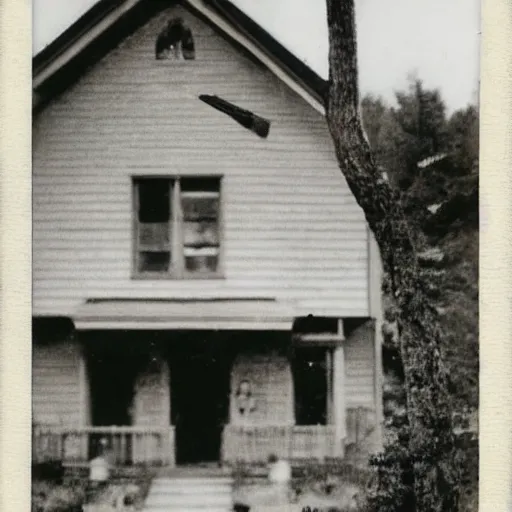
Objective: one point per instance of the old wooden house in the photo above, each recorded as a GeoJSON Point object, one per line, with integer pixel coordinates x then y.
{"type": "Point", "coordinates": [205, 286]}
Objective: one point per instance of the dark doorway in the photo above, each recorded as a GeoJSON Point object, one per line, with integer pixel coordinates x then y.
{"type": "Point", "coordinates": [310, 379]}
{"type": "Point", "coordinates": [112, 374]}
{"type": "Point", "coordinates": [199, 400]}
{"type": "Point", "coordinates": [112, 371]}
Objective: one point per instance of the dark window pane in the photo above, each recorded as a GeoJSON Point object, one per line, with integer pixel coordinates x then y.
{"type": "Point", "coordinates": [154, 200]}
{"type": "Point", "coordinates": [206, 184]}
{"type": "Point", "coordinates": [154, 261]}
{"type": "Point", "coordinates": [201, 264]}
{"type": "Point", "coordinates": [200, 234]}
{"type": "Point", "coordinates": [154, 236]}
{"type": "Point", "coordinates": [196, 208]}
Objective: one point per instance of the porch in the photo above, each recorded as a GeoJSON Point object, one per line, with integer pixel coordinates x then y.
{"type": "Point", "coordinates": [155, 446]}
{"type": "Point", "coordinates": [182, 397]}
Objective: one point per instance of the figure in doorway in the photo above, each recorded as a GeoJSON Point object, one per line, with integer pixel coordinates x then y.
{"type": "Point", "coordinates": [245, 403]}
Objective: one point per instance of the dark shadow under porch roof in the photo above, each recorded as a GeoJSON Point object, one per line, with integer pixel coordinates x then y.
{"type": "Point", "coordinates": [226, 314]}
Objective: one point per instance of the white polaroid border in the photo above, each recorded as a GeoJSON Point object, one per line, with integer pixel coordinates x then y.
{"type": "Point", "coordinates": [495, 239]}
{"type": "Point", "coordinates": [496, 258]}
{"type": "Point", "coordinates": [15, 254]}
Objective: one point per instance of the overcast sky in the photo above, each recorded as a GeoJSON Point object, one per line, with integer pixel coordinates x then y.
{"type": "Point", "coordinates": [438, 40]}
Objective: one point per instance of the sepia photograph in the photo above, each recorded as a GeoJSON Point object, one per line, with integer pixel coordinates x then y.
{"type": "Point", "coordinates": [255, 256]}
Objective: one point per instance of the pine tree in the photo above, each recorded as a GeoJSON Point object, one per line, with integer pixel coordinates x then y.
{"type": "Point", "coordinates": [440, 199]}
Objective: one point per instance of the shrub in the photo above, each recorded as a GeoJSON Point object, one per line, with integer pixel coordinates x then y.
{"type": "Point", "coordinates": [51, 497]}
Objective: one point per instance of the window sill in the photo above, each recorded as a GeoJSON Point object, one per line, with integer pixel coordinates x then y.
{"type": "Point", "coordinates": [173, 277]}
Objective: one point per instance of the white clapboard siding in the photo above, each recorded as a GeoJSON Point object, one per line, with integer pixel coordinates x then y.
{"type": "Point", "coordinates": [271, 379]}
{"type": "Point", "coordinates": [359, 367]}
{"type": "Point", "coordinates": [152, 397]}
{"type": "Point", "coordinates": [291, 228]}
{"type": "Point", "coordinates": [56, 389]}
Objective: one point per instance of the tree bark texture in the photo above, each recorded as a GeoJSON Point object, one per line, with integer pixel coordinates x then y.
{"type": "Point", "coordinates": [431, 444]}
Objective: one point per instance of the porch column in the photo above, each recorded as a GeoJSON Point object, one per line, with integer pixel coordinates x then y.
{"type": "Point", "coordinates": [339, 405]}
{"type": "Point", "coordinates": [85, 412]}
{"type": "Point", "coordinates": [83, 383]}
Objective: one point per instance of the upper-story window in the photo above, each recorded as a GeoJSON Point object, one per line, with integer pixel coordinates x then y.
{"type": "Point", "coordinates": [177, 227]}
{"type": "Point", "coordinates": [175, 41]}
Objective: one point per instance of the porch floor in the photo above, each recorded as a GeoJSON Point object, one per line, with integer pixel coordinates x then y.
{"type": "Point", "coordinates": [204, 470]}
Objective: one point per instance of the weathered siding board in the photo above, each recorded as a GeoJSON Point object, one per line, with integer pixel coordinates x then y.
{"type": "Point", "coordinates": [271, 380]}
{"type": "Point", "coordinates": [152, 397]}
{"type": "Point", "coordinates": [292, 229]}
{"type": "Point", "coordinates": [359, 367]}
{"type": "Point", "coordinates": [56, 387]}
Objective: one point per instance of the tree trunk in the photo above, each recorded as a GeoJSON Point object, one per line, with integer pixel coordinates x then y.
{"type": "Point", "coordinates": [431, 444]}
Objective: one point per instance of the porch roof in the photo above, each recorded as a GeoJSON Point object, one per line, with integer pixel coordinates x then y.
{"type": "Point", "coordinates": [225, 314]}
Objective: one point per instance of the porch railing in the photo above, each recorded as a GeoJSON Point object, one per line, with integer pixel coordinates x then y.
{"type": "Point", "coordinates": [254, 443]}
{"type": "Point", "coordinates": [122, 445]}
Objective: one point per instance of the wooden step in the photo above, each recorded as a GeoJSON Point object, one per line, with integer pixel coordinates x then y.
{"type": "Point", "coordinates": [192, 482]}
{"type": "Point", "coordinates": [197, 500]}
{"type": "Point", "coordinates": [167, 508]}
{"type": "Point", "coordinates": [190, 491]}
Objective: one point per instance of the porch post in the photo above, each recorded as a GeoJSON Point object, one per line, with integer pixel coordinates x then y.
{"type": "Point", "coordinates": [83, 383]}
{"type": "Point", "coordinates": [330, 398]}
{"type": "Point", "coordinates": [339, 399]}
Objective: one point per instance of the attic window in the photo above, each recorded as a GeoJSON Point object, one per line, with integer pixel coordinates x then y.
{"type": "Point", "coordinates": [246, 118]}
{"type": "Point", "coordinates": [175, 41]}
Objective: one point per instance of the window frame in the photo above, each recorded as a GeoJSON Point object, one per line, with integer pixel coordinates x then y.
{"type": "Point", "coordinates": [178, 269]}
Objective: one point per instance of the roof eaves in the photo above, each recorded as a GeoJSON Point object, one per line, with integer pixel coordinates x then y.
{"type": "Point", "coordinates": [259, 46]}
{"type": "Point", "coordinates": [300, 71]}
{"type": "Point", "coordinates": [92, 26]}
{"type": "Point", "coordinates": [67, 64]}
{"type": "Point", "coordinates": [73, 33]}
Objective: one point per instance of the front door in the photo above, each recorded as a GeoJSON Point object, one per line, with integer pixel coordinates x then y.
{"type": "Point", "coordinates": [199, 403]}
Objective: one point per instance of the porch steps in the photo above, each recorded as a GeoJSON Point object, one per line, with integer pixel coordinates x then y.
{"type": "Point", "coordinates": [190, 493]}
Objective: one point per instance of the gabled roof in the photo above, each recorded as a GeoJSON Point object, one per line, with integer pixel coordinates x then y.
{"type": "Point", "coordinates": [108, 22]}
